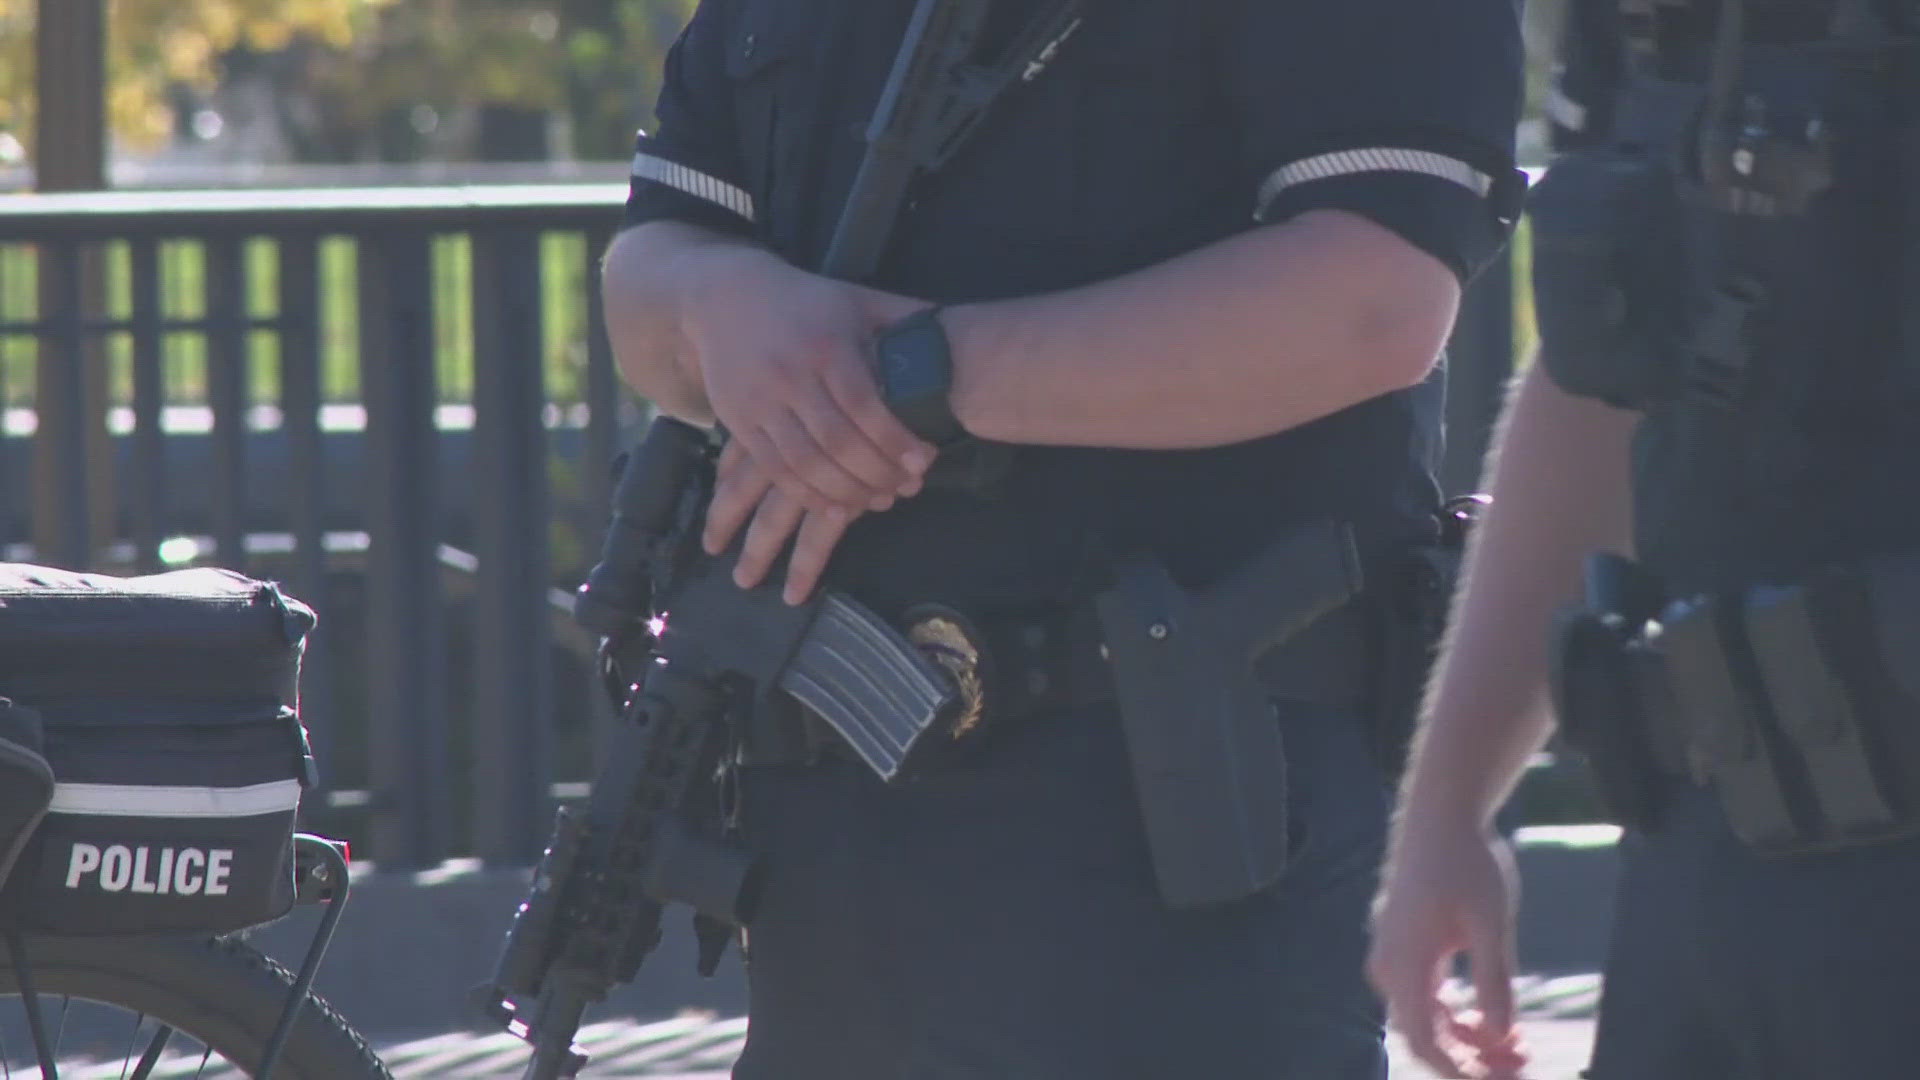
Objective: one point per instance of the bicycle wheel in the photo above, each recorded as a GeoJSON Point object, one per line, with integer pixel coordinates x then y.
{"type": "Point", "coordinates": [141, 1008]}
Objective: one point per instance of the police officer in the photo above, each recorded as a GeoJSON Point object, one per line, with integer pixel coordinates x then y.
{"type": "Point", "coordinates": [1195, 274]}
{"type": "Point", "coordinates": [1727, 259]}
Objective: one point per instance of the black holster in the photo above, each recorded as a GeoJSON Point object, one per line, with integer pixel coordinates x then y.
{"type": "Point", "coordinates": [1602, 692]}
{"type": "Point", "coordinates": [1208, 763]}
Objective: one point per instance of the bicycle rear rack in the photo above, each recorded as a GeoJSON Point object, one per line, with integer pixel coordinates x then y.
{"type": "Point", "coordinates": [320, 873]}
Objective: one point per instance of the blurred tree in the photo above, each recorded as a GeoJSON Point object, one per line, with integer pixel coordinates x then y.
{"type": "Point", "coordinates": [613, 51]}
{"type": "Point", "coordinates": [595, 62]}
{"type": "Point", "coordinates": [363, 78]}
{"type": "Point", "coordinates": [156, 46]}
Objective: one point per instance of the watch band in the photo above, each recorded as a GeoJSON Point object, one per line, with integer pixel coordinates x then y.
{"type": "Point", "coordinates": [913, 364]}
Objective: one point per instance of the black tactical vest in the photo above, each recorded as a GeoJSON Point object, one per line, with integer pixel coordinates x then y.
{"type": "Point", "coordinates": [1742, 266]}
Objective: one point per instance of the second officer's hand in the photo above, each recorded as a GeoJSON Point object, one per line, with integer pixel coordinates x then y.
{"type": "Point", "coordinates": [1446, 889]}
{"type": "Point", "coordinates": [783, 356]}
{"type": "Point", "coordinates": [746, 494]}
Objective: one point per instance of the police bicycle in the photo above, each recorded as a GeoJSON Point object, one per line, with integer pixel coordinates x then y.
{"type": "Point", "coordinates": [152, 767]}
{"type": "Point", "coordinates": [162, 1006]}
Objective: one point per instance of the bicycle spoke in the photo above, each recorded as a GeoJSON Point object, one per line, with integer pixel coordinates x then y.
{"type": "Point", "coordinates": [196, 977]}
{"type": "Point", "coordinates": [152, 1057]}
{"type": "Point", "coordinates": [30, 998]}
{"type": "Point", "coordinates": [59, 1033]}
{"type": "Point", "coordinates": [139, 1021]}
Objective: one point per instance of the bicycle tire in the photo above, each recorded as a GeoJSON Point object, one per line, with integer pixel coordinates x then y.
{"type": "Point", "coordinates": [221, 991]}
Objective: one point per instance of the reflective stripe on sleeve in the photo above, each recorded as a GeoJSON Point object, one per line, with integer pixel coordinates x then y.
{"type": "Point", "coordinates": [694, 182]}
{"type": "Point", "coordinates": [1375, 159]}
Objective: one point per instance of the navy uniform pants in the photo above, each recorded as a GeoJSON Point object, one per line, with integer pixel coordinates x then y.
{"type": "Point", "coordinates": [1727, 965]}
{"type": "Point", "coordinates": [999, 922]}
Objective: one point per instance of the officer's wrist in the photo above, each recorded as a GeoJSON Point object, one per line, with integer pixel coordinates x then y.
{"type": "Point", "coordinates": [967, 336]}
{"type": "Point", "coordinates": [914, 367]}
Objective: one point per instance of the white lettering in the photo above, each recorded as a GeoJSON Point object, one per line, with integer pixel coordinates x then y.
{"type": "Point", "coordinates": [140, 882]}
{"type": "Point", "coordinates": [180, 871]}
{"type": "Point", "coordinates": [116, 866]}
{"type": "Point", "coordinates": [219, 865]}
{"type": "Point", "coordinates": [84, 860]}
{"type": "Point", "coordinates": [187, 881]}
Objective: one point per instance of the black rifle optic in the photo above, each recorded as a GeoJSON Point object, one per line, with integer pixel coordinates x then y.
{"type": "Point", "coordinates": [688, 656]}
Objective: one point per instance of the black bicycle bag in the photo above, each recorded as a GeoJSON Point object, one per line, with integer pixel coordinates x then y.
{"type": "Point", "coordinates": [167, 709]}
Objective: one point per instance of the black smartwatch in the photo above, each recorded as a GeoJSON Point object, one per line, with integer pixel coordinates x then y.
{"type": "Point", "coordinates": [913, 364]}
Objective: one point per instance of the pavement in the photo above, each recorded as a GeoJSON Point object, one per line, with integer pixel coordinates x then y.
{"type": "Point", "coordinates": [1557, 1017]}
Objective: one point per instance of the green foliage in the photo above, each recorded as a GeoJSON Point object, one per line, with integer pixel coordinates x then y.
{"type": "Point", "coordinates": [152, 44]}
{"type": "Point", "coordinates": [351, 65]}
{"type": "Point", "coordinates": [615, 68]}
{"type": "Point", "coordinates": [563, 317]}
{"type": "Point", "coordinates": [1526, 335]}
{"type": "Point", "coordinates": [596, 61]}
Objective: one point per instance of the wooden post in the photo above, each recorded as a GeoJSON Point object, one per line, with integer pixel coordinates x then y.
{"type": "Point", "coordinates": [70, 154]}
{"type": "Point", "coordinates": [70, 81]}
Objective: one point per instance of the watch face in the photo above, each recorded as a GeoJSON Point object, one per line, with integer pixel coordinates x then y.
{"type": "Point", "coordinates": [916, 364]}
{"type": "Point", "coordinates": [916, 374]}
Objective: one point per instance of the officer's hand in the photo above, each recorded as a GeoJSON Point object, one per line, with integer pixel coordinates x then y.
{"type": "Point", "coordinates": [742, 487]}
{"type": "Point", "coordinates": [1448, 889]}
{"type": "Point", "coordinates": [784, 357]}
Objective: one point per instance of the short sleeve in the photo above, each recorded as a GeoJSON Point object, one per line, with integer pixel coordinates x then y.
{"type": "Point", "coordinates": [689, 168]}
{"type": "Point", "coordinates": [1402, 111]}
{"type": "Point", "coordinates": [1586, 76]}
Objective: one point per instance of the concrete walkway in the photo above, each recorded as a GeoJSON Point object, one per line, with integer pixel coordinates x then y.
{"type": "Point", "coordinates": [678, 1050]}
{"type": "Point", "coordinates": [1557, 1015]}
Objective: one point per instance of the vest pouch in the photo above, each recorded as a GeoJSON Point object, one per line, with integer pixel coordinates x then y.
{"type": "Point", "coordinates": [1725, 734]}
{"type": "Point", "coordinates": [163, 820]}
{"type": "Point", "coordinates": [1608, 275]}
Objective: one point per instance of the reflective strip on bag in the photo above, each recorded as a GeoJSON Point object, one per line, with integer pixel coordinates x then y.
{"type": "Point", "coordinates": [155, 801]}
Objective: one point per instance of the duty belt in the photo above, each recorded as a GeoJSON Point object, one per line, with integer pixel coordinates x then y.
{"type": "Point", "coordinates": [1026, 668]}
{"type": "Point", "coordinates": [1797, 704]}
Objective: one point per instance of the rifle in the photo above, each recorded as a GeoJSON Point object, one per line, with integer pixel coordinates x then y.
{"type": "Point", "coordinates": [689, 657]}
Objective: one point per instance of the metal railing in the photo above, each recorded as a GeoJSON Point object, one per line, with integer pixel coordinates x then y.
{"type": "Point", "coordinates": [357, 392]}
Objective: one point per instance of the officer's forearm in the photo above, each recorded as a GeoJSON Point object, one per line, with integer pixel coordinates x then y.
{"type": "Point", "coordinates": [1559, 481]}
{"type": "Point", "coordinates": [1245, 337]}
{"type": "Point", "coordinates": [645, 280]}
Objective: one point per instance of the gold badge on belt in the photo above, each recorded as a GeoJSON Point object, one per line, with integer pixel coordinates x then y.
{"type": "Point", "coordinates": [949, 640]}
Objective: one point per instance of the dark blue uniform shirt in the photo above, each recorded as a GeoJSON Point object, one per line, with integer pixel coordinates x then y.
{"type": "Point", "coordinates": [1159, 127]}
